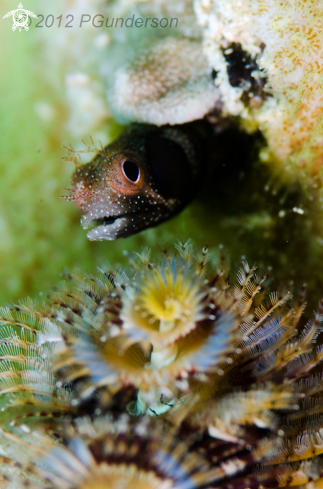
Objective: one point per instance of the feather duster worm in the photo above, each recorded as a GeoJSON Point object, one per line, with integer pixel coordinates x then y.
{"type": "Point", "coordinates": [112, 453]}
{"type": "Point", "coordinates": [220, 368]}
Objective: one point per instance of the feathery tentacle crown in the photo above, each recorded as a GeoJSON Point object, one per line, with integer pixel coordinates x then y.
{"type": "Point", "coordinates": [220, 369]}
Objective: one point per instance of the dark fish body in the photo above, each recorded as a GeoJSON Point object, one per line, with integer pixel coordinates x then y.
{"type": "Point", "coordinates": [143, 178]}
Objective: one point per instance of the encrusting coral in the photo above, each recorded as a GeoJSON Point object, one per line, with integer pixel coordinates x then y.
{"type": "Point", "coordinates": [164, 375]}
{"type": "Point", "coordinates": [283, 39]}
{"type": "Point", "coordinates": [150, 88]}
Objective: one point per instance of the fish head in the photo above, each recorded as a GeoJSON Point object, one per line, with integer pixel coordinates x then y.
{"type": "Point", "coordinates": [140, 180]}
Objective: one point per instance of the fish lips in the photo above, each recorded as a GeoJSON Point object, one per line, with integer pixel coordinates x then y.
{"type": "Point", "coordinates": [105, 218]}
{"type": "Point", "coordinates": [110, 229]}
{"type": "Point", "coordinates": [122, 225]}
{"type": "Point", "coordinates": [113, 227]}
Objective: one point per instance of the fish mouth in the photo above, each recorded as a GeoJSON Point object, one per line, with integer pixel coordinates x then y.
{"type": "Point", "coordinates": [107, 228]}
{"type": "Point", "coordinates": [104, 221]}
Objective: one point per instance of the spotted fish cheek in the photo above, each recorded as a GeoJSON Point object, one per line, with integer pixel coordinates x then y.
{"type": "Point", "coordinates": [85, 185]}
{"type": "Point", "coordinates": [171, 169]}
{"type": "Point", "coordinates": [127, 175]}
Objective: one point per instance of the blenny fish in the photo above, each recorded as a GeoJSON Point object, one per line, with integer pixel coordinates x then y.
{"type": "Point", "coordinates": [143, 178]}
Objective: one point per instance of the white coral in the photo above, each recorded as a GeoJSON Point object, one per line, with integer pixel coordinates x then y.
{"type": "Point", "coordinates": [168, 83]}
{"type": "Point", "coordinates": [292, 118]}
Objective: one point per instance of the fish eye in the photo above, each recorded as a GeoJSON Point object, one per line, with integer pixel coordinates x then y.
{"type": "Point", "coordinates": [130, 170]}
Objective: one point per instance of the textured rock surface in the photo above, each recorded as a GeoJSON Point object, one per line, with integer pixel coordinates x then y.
{"type": "Point", "coordinates": [169, 82]}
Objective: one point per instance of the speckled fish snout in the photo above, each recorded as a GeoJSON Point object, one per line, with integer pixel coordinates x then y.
{"type": "Point", "coordinates": [140, 180]}
{"type": "Point", "coordinates": [99, 202]}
